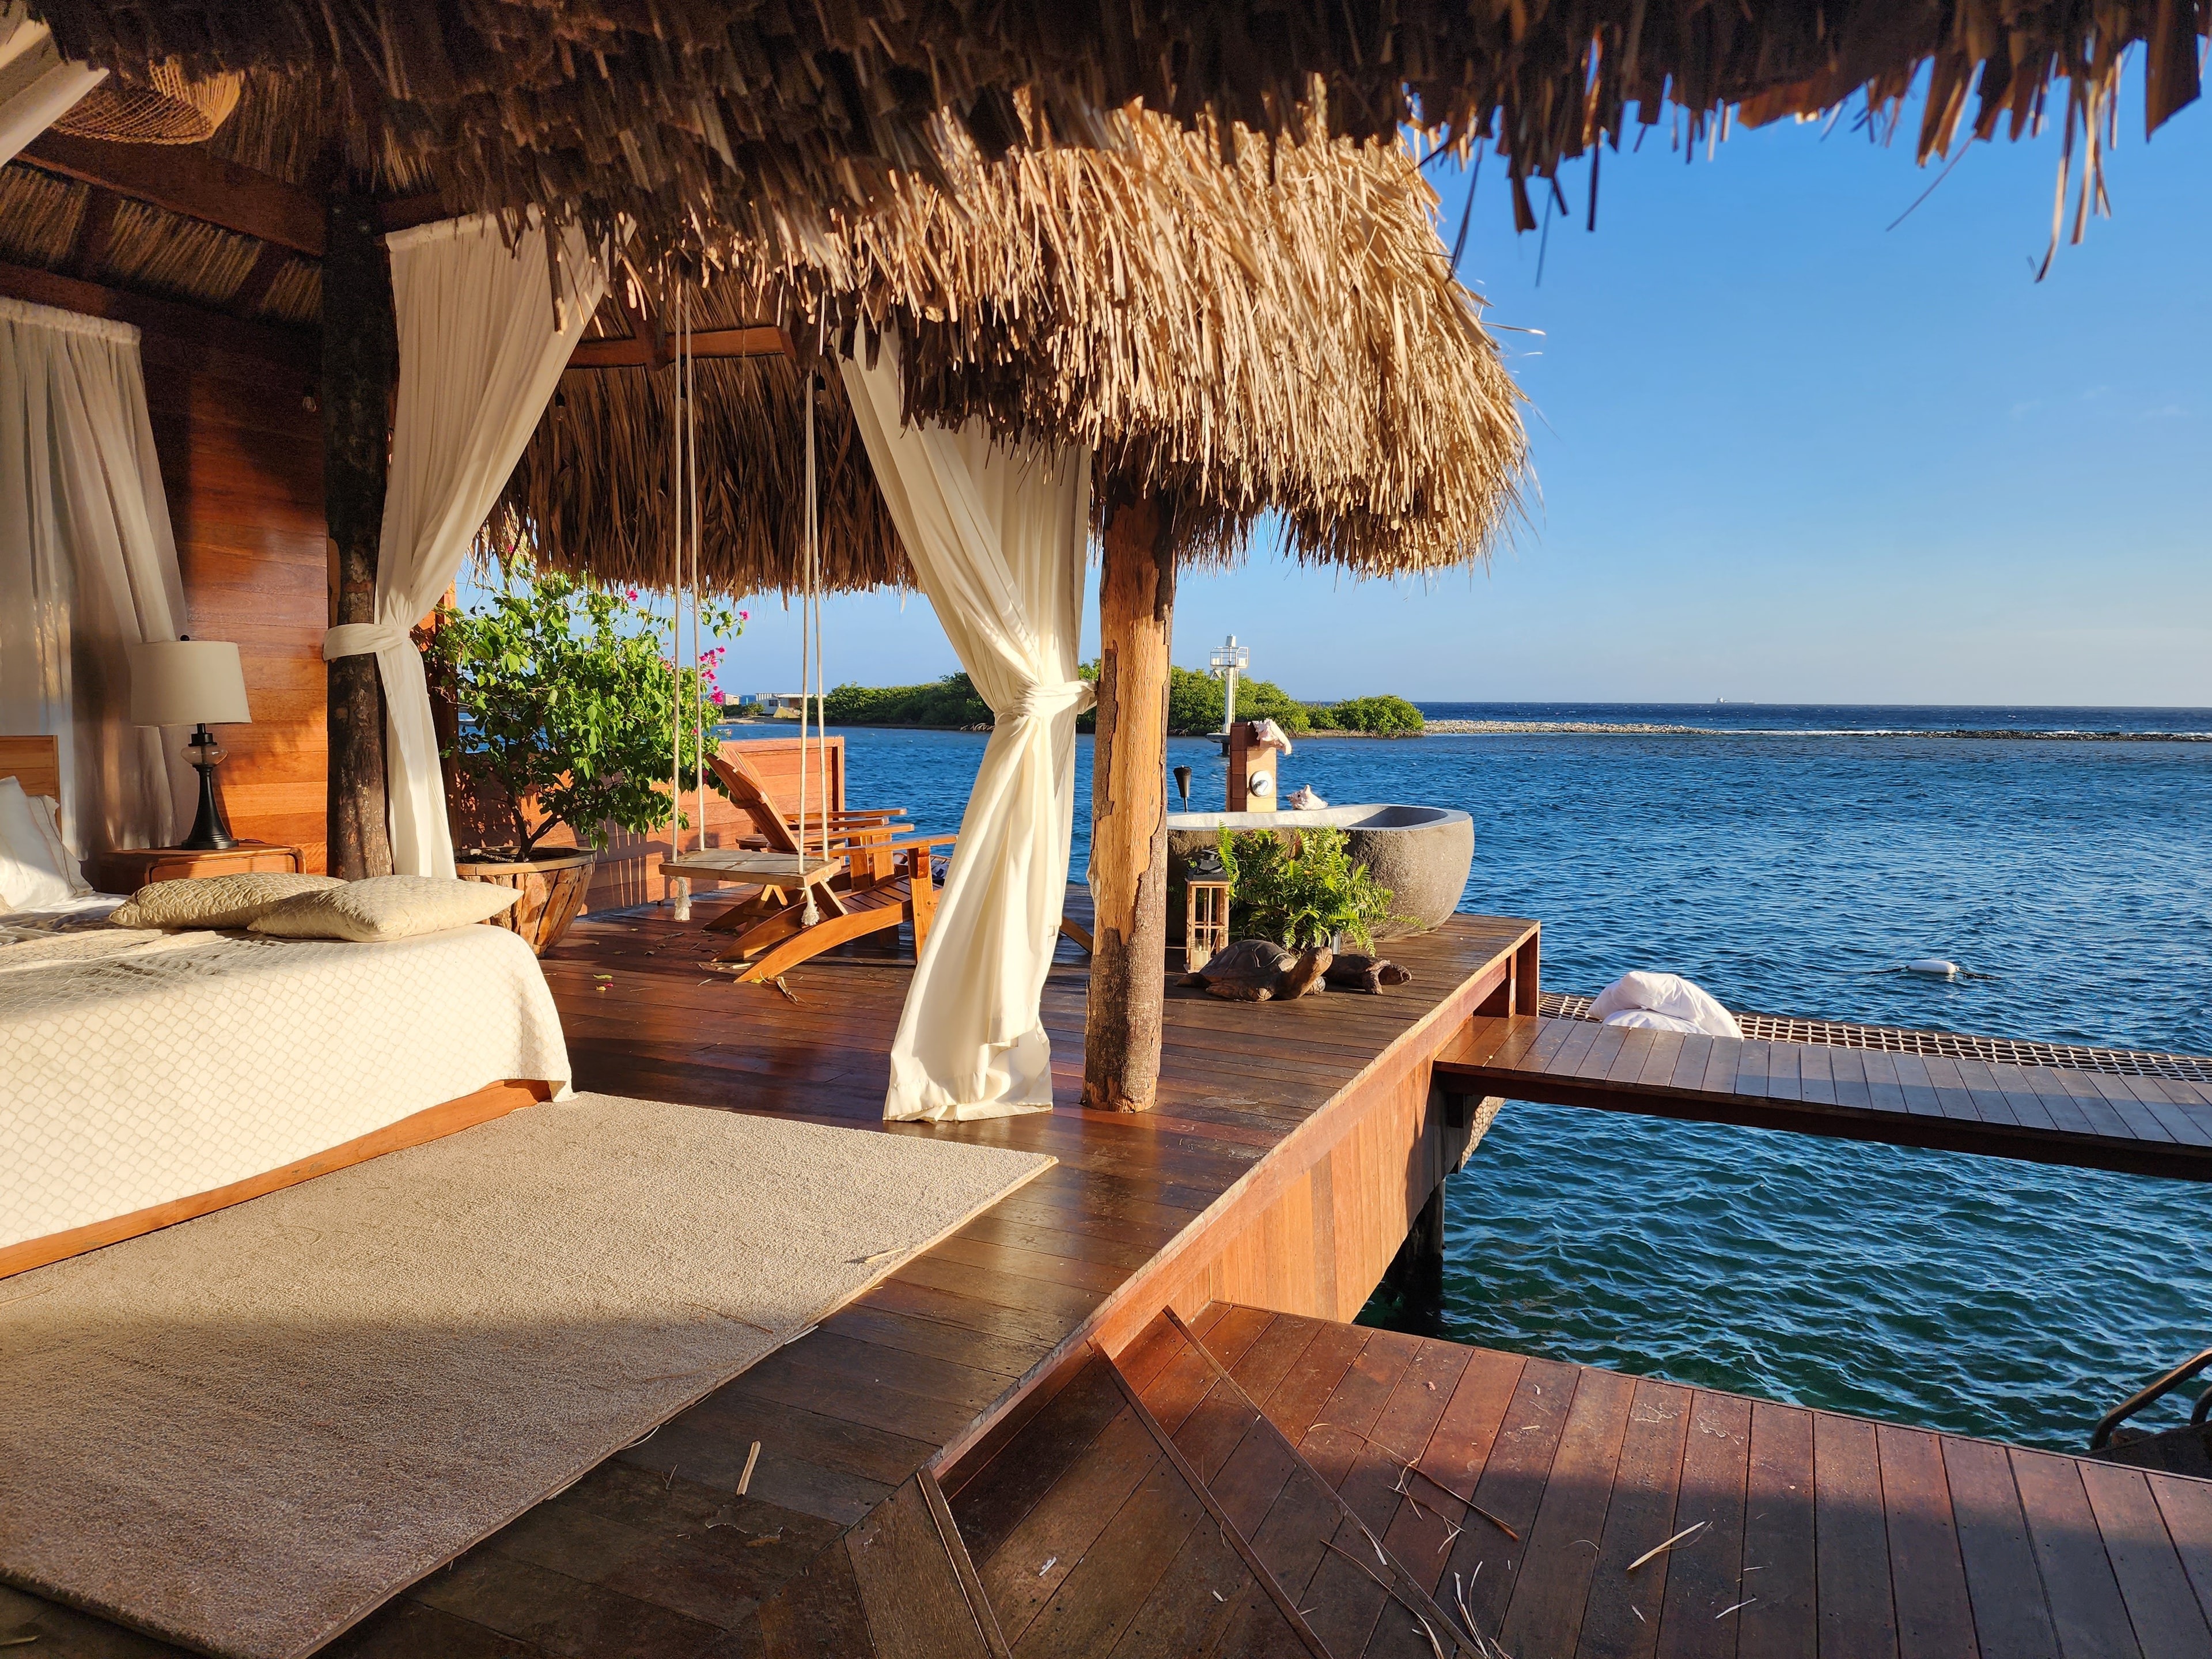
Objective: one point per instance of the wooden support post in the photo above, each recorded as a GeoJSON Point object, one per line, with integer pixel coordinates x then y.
{"type": "Point", "coordinates": [1528, 975]}
{"type": "Point", "coordinates": [1129, 811]}
{"type": "Point", "coordinates": [1415, 1279]}
{"type": "Point", "coordinates": [1240, 758]}
{"type": "Point", "coordinates": [361, 352]}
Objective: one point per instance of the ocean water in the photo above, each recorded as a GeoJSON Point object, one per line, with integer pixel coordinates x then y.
{"type": "Point", "coordinates": [1789, 859]}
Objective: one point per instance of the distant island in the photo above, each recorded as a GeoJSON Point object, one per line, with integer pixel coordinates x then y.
{"type": "Point", "coordinates": [1194, 708]}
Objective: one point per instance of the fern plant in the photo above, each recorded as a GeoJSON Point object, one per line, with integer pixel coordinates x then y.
{"type": "Point", "coordinates": [1300, 888]}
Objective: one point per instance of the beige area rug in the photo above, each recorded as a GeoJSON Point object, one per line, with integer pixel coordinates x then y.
{"type": "Point", "coordinates": [246, 1432]}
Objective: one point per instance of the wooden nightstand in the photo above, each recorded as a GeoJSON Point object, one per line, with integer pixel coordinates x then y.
{"type": "Point", "coordinates": [129, 868]}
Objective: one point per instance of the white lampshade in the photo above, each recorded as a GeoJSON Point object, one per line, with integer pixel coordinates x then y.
{"type": "Point", "coordinates": [187, 683]}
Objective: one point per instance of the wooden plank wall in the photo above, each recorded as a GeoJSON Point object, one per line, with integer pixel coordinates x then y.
{"type": "Point", "coordinates": [1313, 1232]}
{"type": "Point", "coordinates": [242, 464]}
{"type": "Point", "coordinates": [628, 872]}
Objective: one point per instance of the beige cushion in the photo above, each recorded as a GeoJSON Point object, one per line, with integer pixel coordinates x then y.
{"type": "Point", "coordinates": [386, 907]}
{"type": "Point", "coordinates": [215, 901]}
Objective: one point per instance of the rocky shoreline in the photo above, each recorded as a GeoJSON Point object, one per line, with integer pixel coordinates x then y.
{"type": "Point", "coordinates": [1595, 728]}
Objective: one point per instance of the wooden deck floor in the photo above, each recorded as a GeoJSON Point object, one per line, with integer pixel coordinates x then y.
{"type": "Point", "coordinates": [1290, 1146]}
{"type": "Point", "coordinates": [2100, 1119]}
{"type": "Point", "coordinates": [1540, 1487]}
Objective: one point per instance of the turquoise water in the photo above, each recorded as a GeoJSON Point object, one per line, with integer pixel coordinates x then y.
{"type": "Point", "coordinates": [1789, 865]}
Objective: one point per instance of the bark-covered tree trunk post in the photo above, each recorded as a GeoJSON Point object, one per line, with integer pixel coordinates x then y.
{"type": "Point", "coordinates": [1128, 811]}
{"type": "Point", "coordinates": [361, 351]}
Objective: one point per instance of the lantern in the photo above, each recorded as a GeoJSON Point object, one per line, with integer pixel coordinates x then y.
{"type": "Point", "coordinates": [1206, 911]}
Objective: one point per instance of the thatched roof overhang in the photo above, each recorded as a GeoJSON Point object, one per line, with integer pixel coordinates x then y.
{"type": "Point", "coordinates": [1281, 335]}
{"type": "Point", "coordinates": [696, 119]}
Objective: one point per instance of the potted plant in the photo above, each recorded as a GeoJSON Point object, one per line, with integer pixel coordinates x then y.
{"type": "Point", "coordinates": [1300, 888]}
{"type": "Point", "coordinates": [565, 705]}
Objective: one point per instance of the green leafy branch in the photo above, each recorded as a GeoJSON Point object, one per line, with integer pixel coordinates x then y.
{"type": "Point", "coordinates": [1300, 888]}
{"type": "Point", "coordinates": [567, 702]}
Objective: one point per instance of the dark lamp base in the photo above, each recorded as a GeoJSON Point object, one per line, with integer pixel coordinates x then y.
{"type": "Point", "coordinates": [210, 830]}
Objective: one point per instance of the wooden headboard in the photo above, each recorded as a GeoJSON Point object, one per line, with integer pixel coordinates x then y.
{"type": "Point", "coordinates": [35, 762]}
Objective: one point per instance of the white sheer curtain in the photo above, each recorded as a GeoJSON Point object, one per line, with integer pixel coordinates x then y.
{"type": "Point", "coordinates": [481, 346]}
{"type": "Point", "coordinates": [38, 86]}
{"type": "Point", "coordinates": [997, 539]}
{"type": "Point", "coordinates": [88, 568]}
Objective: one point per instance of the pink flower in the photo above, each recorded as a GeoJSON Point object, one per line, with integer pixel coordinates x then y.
{"type": "Point", "coordinates": [630, 593]}
{"type": "Point", "coordinates": [745, 616]}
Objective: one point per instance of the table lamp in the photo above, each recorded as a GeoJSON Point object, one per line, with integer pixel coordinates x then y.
{"type": "Point", "coordinates": [188, 681]}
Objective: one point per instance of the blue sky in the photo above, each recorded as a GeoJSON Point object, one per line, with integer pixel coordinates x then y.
{"type": "Point", "coordinates": [1785, 452]}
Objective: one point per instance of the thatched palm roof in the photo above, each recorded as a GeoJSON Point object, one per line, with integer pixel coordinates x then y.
{"type": "Point", "coordinates": [695, 116]}
{"type": "Point", "coordinates": [1282, 334]}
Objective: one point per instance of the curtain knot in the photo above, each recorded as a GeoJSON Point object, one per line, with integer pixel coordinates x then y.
{"type": "Point", "coordinates": [363, 639]}
{"type": "Point", "coordinates": [1040, 697]}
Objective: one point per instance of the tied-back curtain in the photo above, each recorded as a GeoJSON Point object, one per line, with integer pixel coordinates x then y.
{"type": "Point", "coordinates": [38, 86]}
{"type": "Point", "coordinates": [481, 346]}
{"type": "Point", "coordinates": [996, 536]}
{"type": "Point", "coordinates": [88, 564]}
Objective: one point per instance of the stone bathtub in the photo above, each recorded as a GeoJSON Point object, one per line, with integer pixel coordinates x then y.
{"type": "Point", "coordinates": [1421, 854]}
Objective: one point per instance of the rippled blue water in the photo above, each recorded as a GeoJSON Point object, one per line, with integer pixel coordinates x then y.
{"type": "Point", "coordinates": [1792, 874]}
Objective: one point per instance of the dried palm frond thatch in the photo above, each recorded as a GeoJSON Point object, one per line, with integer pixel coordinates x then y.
{"type": "Point", "coordinates": [696, 118]}
{"type": "Point", "coordinates": [39, 216]}
{"type": "Point", "coordinates": [163, 252]}
{"type": "Point", "coordinates": [1279, 335]}
{"type": "Point", "coordinates": [591, 492]}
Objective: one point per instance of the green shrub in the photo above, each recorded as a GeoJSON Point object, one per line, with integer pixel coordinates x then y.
{"type": "Point", "coordinates": [951, 703]}
{"type": "Point", "coordinates": [565, 699]}
{"type": "Point", "coordinates": [1381, 717]}
{"type": "Point", "coordinates": [1195, 702]}
{"type": "Point", "coordinates": [1299, 888]}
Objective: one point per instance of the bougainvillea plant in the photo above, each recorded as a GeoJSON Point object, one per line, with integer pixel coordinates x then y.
{"type": "Point", "coordinates": [569, 701]}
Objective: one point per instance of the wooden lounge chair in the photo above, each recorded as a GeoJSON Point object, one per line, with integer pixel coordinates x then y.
{"type": "Point", "coordinates": [861, 840]}
{"type": "Point", "coordinates": [748, 791]}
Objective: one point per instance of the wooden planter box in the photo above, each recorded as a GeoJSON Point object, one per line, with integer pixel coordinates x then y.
{"type": "Point", "coordinates": [553, 886]}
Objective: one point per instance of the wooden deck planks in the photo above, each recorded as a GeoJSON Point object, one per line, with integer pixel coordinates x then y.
{"type": "Point", "coordinates": [1824, 1536]}
{"type": "Point", "coordinates": [2046, 1114]}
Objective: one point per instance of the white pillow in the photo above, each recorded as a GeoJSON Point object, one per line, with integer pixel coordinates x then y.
{"type": "Point", "coordinates": [1669, 994]}
{"type": "Point", "coordinates": [384, 908]}
{"type": "Point", "coordinates": [47, 811]}
{"type": "Point", "coordinates": [31, 877]}
{"type": "Point", "coordinates": [216, 900]}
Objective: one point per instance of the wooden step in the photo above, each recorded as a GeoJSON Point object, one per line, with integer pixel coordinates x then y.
{"type": "Point", "coordinates": [1153, 1508]}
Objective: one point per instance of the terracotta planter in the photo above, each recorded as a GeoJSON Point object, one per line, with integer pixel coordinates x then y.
{"type": "Point", "coordinates": [553, 886]}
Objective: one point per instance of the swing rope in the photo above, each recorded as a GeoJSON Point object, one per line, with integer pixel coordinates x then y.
{"type": "Point", "coordinates": [676, 595]}
{"type": "Point", "coordinates": [698, 681]}
{"type": "Point", "coordinates": [809, 611]}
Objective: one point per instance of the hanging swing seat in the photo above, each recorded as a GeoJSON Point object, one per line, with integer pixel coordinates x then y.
{"type": "Point", "coordinates": [861, 882]}
{"type": "Point", "coordinates": [851, 899]}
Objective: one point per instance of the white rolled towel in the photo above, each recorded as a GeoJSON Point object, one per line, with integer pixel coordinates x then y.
{"type": "Point", "coordinates": [1665, 1002]}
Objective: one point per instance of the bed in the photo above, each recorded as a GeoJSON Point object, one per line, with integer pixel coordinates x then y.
{"type": "Point", "coordinates": [148, 1078]}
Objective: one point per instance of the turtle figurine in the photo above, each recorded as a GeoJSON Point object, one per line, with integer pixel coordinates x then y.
{"type": "Point", "coordinates": [1260, 970]}
{"type": "Point", "coordinates": [1354, 972]}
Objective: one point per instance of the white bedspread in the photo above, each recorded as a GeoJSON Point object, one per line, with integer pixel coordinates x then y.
{"type": "Point", "coordinates": [140, 1067]}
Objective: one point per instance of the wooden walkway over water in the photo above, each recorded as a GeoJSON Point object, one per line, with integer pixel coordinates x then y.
{"type": "Point", "coordinates": [2091, 1117]}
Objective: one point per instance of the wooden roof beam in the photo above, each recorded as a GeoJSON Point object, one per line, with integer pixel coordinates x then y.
{"type": "Point", "coordinates": [763, 342]}
{"type": "Point", "coordinates": [186, 179]}
{"type": "Point", "coordinates": [644, 325]}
